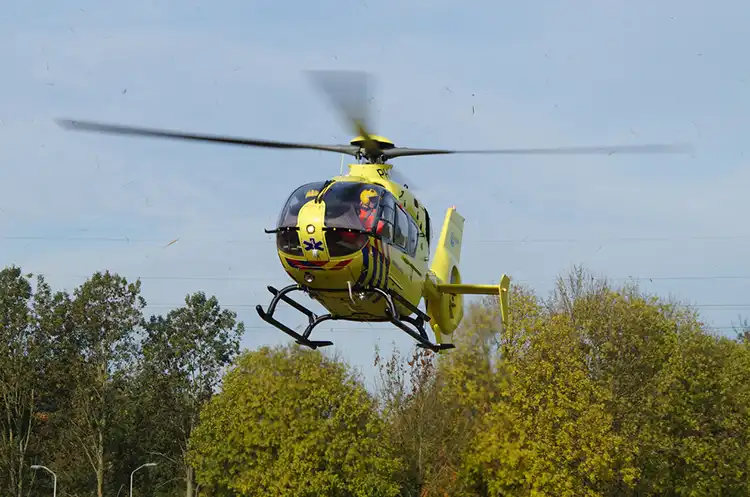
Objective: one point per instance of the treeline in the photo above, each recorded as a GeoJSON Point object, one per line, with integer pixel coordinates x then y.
{"type": "Point", "coordinates": [592, 391]}
{"type": "Point", "coordinates": [92, 389]}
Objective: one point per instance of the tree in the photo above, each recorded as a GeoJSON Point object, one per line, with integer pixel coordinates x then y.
{"type": "Point", "coordinates": [425, 424]}
{"type": "Point", "coordinates": [20, 385]}
{"type": "Point", "coordinates": [106, 311]}
{"type": "Point", "coordinates": [696, 431]}
{"type": "Point", "coordinates": [292, 422]}
{"type": "Point", "coordinates": [435, 405]}
{"type": "Point", "coordinates": [596, 390]}
{"type": "Point", "coordinates": [184, 356]}
{"type": "Point", "coordinates": [550, 432]}
{"type": "Point", "coordinates": [613, 392]}
{"type": "Point", "coordinates": [670, 387]}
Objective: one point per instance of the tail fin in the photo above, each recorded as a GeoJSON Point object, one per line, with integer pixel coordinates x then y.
{"type": "Point", "coordinates": [444, 297]}
{"type": "Point", "coordinates": [448, 251]}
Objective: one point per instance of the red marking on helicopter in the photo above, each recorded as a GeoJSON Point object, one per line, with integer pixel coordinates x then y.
{"type": "Point", "coordinates": [317, 265]}
{"type": "Point", "coordinates": [312, 265]}
{"type": "Point", "coordinates": [342, 264]}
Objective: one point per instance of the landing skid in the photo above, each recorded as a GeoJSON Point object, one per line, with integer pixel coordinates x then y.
{"type": "Point", "coordinates": [418, 332]}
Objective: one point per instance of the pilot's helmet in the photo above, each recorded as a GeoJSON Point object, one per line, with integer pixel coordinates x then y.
{"type": "Point", "coordinates": [367, 196]}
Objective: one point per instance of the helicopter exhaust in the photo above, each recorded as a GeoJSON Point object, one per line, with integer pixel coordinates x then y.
{"type": "Point", "coordinates": [444, 290]}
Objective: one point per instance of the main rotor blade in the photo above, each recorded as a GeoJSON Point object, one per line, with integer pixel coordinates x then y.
{"type": "Point", "coordinates": [349, 92]}
{"type": "Point", "coordinates": [178, 135]}
{"type": "Point", "coordinates": [622, 149]}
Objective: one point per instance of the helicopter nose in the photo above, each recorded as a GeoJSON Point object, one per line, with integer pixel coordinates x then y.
{"type": "Point", "coordinates": [310, 230]}
{"type": "Point", "coordinates": [313, 244]}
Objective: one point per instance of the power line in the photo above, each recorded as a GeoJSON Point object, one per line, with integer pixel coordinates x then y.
{"type": "Point", "coordinates": [162, 305]}
{"type": "Point", "coordinates": [526, 240]}
{"type": "Point", "coordinates": [360, 328]}
{"type": "Point", "coordinates": [726, 306]}
{"type": "Point", "coordinates": [283, 305]}
{"type": "Point", "coordinates": [255, 241]}
{"type": "Point", "coordinates": [527, 280]}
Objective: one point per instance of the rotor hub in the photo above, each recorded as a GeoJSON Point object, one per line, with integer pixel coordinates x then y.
{"type": "Point", "coordinates": [383, 142]}
{"type": "Point", "coordinates": [371, 148]}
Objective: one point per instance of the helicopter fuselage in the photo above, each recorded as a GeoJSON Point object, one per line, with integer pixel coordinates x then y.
{"type": "Point", "coordinates": [342, 253]}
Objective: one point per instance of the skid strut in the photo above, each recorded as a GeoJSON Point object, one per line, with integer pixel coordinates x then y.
{"type": "Point", "coordinates": [304, 338]}
{"type": "Point", "coordinates": [418, 333]}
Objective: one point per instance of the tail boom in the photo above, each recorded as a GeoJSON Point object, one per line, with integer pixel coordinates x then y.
{"type": "Point", "coordinates": [443, 290]}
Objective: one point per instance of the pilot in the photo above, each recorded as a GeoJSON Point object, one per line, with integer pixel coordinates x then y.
{"type": "Point", "coordinates": [367, 210]}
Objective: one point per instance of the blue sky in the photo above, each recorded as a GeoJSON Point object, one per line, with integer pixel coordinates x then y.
{"type": "Point", "coordinates": [538, 73]}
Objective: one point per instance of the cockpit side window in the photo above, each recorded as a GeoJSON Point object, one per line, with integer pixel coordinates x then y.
{"type": "Point", "coordinates": [300, 196]}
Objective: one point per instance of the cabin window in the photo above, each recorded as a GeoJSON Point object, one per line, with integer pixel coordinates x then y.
{"type": "Point", "coordinates": [352, 205]}
{"type": "Point", "coordinates": [401, 231]}
{"type": "Point", "coordinates": [411, 247]}
{"type": "Point", "coordinates": [428, 227]}
{"type": "Point", "coordinates": [300, 196]}
{"type": "Point", "coordinates": [387, 216]}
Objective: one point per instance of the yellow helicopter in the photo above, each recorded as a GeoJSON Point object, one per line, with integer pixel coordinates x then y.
{"type": "Point", "coordinates": [360, 243]}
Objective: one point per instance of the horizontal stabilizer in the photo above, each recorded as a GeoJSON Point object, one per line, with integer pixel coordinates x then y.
{"type": "Point", "coordinates": [500, 290]}
{"type": "Point", "coordinates": [468, 289]}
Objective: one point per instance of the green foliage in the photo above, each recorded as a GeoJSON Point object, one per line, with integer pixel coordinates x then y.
{"type": "Point", "coordinates": [697, 434]}
{"type": "Point", "coordinates": [594, 391]}
{"type": "Point", "coordinates": [550, 432]}
{"type": "Point", "coordinates": [82, 396]}
{"type": "Point", "coordinates": [609, 392]}
{"type": "Point", "coordinates": [25, 371]}
{"type": "Point", "coordinates": [423, 426]}
{"type": "Point", "coordinates": [292, 422]}
{"type": "Point", "coordinates": [184, 355]}
{"type": "Point", "coordinates": [105, 311]}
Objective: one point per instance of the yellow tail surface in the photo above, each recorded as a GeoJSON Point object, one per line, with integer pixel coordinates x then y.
{"type": "Point", "coordinates": [444, 291]}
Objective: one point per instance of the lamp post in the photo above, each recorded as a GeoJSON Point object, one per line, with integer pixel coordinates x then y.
{"type": "Point", "coordinates": [148, 464]}
{"type": "Point", "coordinates": [54, 476]}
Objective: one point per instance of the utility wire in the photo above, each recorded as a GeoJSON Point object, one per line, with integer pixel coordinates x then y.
{"type": "Point", "coordinates": [269, 279]}
{"type": "Point", "coordinates": [340, 330]}
{"type": "Point", "coordinates": [161, 305]}
{"type": "Point", "coordinates": [526, 240]}
{"type": "Point", "coordinates": [255, 241]}
{"type": "Point", "coordinates": [283, 305]}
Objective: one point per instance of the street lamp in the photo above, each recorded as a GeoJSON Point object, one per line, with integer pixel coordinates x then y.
{"type": "Point", "coordinates": [149, 464]}
{"type": "Point", "coordinates": [54, 484]}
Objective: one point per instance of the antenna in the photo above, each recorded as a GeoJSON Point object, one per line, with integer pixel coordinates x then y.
{"type": "Point", "coordinates": [341, 169]}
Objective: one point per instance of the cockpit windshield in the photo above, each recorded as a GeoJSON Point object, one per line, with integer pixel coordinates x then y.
{"type": "Point", "coordinates": [351, 205]}
{"type": "Point", "coordinates": [301, 196]}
